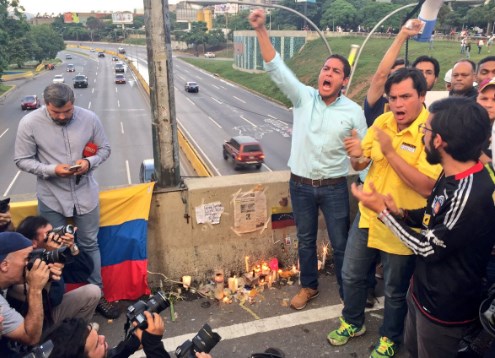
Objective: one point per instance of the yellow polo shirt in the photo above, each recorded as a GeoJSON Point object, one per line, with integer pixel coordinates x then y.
{"type": "Point", "coordinates": [408, 144]}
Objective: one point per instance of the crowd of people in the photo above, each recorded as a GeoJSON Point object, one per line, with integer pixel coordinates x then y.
{"type": "Point", "coordinates": [426, 208]}
{"type": "Point", "coordinates": [62, 144]}
{"type": "Point", "coordinates": [426, 193]}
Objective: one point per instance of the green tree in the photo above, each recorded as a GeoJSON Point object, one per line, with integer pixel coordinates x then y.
{"type": "Point", "coordinates": [46, 42]}
{"type": "Point", "coordinates": [197, 35]}
{"type": "Point", "coordinates": [216, 37]}
{"type": "Point", "coordinates": [94, 26]}
{"type": "Point", "coordinates": [341, 13]}
{"type": "Point", "coordinates": [13, 26]}
{"type": "Point", "coordinates": [20, 51]}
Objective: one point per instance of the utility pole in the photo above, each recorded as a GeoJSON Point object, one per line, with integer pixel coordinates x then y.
{"type": "Point", "coordinates": [164, 122]}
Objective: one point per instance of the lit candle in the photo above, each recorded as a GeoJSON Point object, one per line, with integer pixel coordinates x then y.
{"type": "Point", "coordinates": [186, 282]}
{"type": "Point", "coordinates": [325, 248]}
{"type": "Point", "coordinates": [246, 260]}
{"type": "Point", "coordinates": [232, 283]}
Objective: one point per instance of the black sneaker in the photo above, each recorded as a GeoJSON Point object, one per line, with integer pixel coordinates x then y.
{"type": "Point", "coordinates": [107, 309]}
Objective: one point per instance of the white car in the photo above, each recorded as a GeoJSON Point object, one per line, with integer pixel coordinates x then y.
{"type": "Point", "coordinates": [209, 55]}
{"type": "Point", "coordinates": [58, 79]}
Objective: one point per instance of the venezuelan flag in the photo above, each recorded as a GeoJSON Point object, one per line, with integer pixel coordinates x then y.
{"type": "Point", "coordinates": [123, 240]}
{"type": "Point", "coordinates": [282, 217]}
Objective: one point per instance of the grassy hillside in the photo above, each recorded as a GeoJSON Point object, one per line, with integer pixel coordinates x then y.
{"type": "Point", "coordinates": [308, 62]}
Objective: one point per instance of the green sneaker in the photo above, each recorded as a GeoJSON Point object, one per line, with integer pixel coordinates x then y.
{"type": "Point", "coordinates": [341, 336]}
{"type": "Point", "coordinates": [386, 348]}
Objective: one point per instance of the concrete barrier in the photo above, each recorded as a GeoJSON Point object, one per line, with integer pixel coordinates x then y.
{"type": "Point", "coordinates": [18, 76]}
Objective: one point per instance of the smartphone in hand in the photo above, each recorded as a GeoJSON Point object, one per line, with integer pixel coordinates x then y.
{"type": "Point", "coordinates": [73, 168]}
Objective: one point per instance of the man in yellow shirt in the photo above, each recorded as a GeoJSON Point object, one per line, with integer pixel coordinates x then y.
{"type": "Point", "coordinates": [395, 146]}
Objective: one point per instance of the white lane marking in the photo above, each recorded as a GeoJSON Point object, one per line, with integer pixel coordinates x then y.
{"type": "Point", "coordinates": [211, 119]}
{"type": "Point", "coordinates": [216, 100]}
{"type": "Point", "coordinates": [89, 105]}
{"type": "Point", "coordinates": [92, 90]}
{"type": "Point", "coordinates": [251, 123]}
{"type": "Point", "coordinates": [11, 184]}
{"type": "Point", "coordinates": [240, 100]}
{"type": "Point", "coordinates": [215, 86]}
{"type": "Point", "coordinates": [118, 103]}
{"type": "Point", "coordinates": [122, 127]}
{"type": "Point", "coordinates": [5, 131]}
{"type": "Point", "coordinates": [191, 101]}
{"type": "Point", "coordinates": [196, 146]}
{"type": "Point", "coordinates": [128, 172]}
{"type": "Point", "coordinates": [289, 320]}
{"type": "Point", "coordinates": [269, 115]}
{"type": "Point", "coordinates": [266, 167]}
{"type": "Point", "coordinates": [116, 90]}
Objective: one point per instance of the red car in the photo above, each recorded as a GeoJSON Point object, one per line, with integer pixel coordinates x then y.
{"type": "Point", "coordinates": [245, 151]}
{"type": "Point", "coordinates": [30, 102]}
{"type": "Point", "coordinates": [119, 78]}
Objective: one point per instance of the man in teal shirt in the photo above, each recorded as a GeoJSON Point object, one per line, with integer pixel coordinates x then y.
{"type": "Point", "coordinates": [322, 118]}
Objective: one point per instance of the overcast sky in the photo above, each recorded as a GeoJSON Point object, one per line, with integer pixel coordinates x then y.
{"type": "Point", "coordinates": [61, 6]}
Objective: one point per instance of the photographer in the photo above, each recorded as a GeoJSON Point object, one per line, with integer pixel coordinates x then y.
{"type": "Point", "coordinates": [57, 305]}
{"type": "Point", "coordinates": [5, 217]}
{"type": "Point", "coordinates": [74, 338]}
{"type": "Point", "coordinates": [17, 330]}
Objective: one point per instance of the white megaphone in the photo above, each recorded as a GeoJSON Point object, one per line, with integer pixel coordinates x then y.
{"type": "Point", "coordinates": [428, 14]}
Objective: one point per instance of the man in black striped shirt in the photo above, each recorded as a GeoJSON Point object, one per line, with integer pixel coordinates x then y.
{"type": "Point", "coordinates": [457, 230]}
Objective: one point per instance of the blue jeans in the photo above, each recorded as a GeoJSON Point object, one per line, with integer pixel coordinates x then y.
{"type": "Point", "coordinates": [397, 271]}
{"type": "Point", "coordinates": [88, 226]}
{"type": "Point", "coordinates": [333, 201]}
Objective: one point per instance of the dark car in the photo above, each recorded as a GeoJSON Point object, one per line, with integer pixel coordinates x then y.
{"type": "Point", "coordinates": [191, 87]}
{"type": "Point", "coordinates": [30, 102]}
{"type": "Point", "coordinates": [68, 56]}
{"type": "Point", "coordinates": [121, 50]}
{"type": "Point", "coordinates": [120, 78]}
{"type": "Point", "coordinates": [71, 68]}
{"type": "Point", "coordinates": [80, 81]}
{"type": "Point", "coordinates": [101, 54]}
{"type": "Point", "coordinates": [245, 151]}
{"type": "Point", "coordinates": [119, 68]}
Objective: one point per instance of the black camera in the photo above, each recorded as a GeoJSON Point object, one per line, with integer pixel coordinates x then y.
{"type": "Point", "coordinates": [4, 205]}
{"type": "Point", "coordinates": [135, 313]}
{"type": "Point", "coordinates": [66, 229]}
{"type": "Point", "coordinates": [59, 255]}
{"type": "Point", "coordinates": [41, 351]}
{"type": "Point", "coordinates": [203, 341]}
{"type": "Point", "coordinates": [62, 230]}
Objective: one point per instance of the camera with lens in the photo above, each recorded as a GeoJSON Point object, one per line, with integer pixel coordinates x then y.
{"type": "Point", "coordinates": [41, 351]}
{"type": "Point", "coordinates": [156, 304]}
{"type": "Point", "coordinates": [203, 341]}
{"type": "Point", "coordinates": [62, 230]}
{"type": "Point", "coordinates": [59, 255]}
{"type": "Point", "coordinates": [66, 229]}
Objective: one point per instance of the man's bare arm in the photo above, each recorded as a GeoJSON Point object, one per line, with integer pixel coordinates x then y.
{"type": "Point", "coordinates": [257, 19]}
{"type": "Point", "coordinates": [377, 85]}
{"type": "Point", "coordinates": [29, 332]}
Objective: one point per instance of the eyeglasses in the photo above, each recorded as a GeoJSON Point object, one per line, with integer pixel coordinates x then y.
{"type": "Point", "coordinates": [422, 127]}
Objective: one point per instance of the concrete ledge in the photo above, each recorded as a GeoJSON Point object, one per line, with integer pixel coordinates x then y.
{"type": "Point", "coordinates": [178, 245]}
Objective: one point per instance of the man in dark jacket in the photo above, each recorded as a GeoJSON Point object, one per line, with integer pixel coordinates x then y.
{"type": "Point", "coordinates": [457, 230]}
{"type": "Point", "coordinates": [74, 338]}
